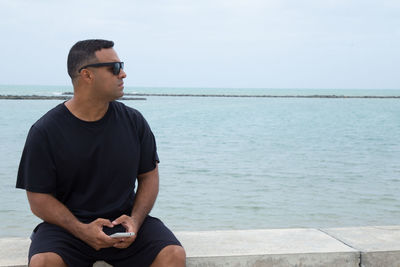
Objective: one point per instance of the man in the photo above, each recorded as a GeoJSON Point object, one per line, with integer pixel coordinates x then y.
{"type": "Point", "coordinates": [79, 167]}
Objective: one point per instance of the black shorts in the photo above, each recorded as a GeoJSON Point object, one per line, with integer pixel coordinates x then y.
{"type": "Point", "coordinates": [152, 237]}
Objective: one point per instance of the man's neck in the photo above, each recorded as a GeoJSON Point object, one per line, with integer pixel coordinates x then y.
{"type": "Point", "coordinates": [87, 109]}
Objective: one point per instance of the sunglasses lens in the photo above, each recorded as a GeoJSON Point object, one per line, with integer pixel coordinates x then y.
{"type": "Point", "coordinates": [117, 67]}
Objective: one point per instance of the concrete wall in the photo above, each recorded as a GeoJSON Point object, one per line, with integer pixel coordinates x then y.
{"type": "Point", "coordinates": [352, 247]}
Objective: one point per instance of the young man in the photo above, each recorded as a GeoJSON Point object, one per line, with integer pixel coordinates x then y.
{"type": "Point", "coordinates": [79, 167]}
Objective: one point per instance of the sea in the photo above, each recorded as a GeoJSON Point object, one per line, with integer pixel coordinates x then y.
{"type": "Point", "coordinates": [243, 158]}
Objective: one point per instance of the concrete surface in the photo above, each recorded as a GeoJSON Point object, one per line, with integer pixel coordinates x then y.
{"type": "Point", "coordinates": [378, 245]}
{"type": "Point", "coordinates": [272, 247]}
{"type": "Point", "coordinates": [368, 238]}
{"type": "Point", "coordinates": [14, 251]}
{"type": "Point", "coordinates": [353, 246]}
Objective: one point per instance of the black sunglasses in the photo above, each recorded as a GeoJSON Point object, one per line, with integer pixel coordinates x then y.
{"type": "Point", "coordinates": [116, 66]}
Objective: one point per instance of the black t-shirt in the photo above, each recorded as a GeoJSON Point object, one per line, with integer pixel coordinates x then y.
{"type": "Point", "coordinates": [91, 167]}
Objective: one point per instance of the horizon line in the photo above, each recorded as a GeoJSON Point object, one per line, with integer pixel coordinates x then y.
{"type": "Point", "coordinates": [220, 87]}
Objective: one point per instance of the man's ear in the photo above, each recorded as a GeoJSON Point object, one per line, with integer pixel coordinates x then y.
{"type": "Point", "coordinates": [86, 75]}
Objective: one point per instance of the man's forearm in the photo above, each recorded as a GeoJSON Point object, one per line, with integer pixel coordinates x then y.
{"type": "Point", "coordinates": [49, 209]}
{"type": "Point", "coordinates": [146, 195]}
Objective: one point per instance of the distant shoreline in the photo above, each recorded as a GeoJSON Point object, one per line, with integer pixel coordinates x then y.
{"type": "Point", "coordinates": [55, 97]}
{"type": "Point", "coordinates": [140, 96]}
{"type": "Point", "coordinates": [264, 96]}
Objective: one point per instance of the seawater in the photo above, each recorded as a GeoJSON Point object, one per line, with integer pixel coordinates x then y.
{"type": "Point", "coordinates": [244, 163]}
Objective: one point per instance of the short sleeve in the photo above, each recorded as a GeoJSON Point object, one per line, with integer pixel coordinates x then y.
{"type": "Point", "coordinates": [148, 148]}
{"type": "Point", "coordinates": [36, 172]}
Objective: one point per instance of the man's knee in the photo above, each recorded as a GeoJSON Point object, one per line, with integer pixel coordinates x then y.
{"type": "Point", "coordinates": [177, 253]}
{"type": "Point", "coordinates": [171, 256]}
{"type": "Point", "coordinates": [46, 259]}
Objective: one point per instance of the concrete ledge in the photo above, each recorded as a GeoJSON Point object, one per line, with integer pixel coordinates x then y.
{"type": "Point", "coordinates": [272, 247]}
{"type": "Point", "coordinates": [378, 245]}
{"type": "Point", "coordinates": [14, 251]}
{"type": "Point", "coordinates": [354, 246]}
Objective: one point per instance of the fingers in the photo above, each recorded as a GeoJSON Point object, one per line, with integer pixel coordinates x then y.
{"type": "Point", "coordinates": [128, 223]}
{"type": "Point", "coordinates": [124, 242]}
{"type": "Point", "coordinates": [102, 240]}
{"type": "Point", "coordinates": [98, 238]}
{"type": "Point", "coordinates": [124, 219]}
{"type": "Point", "coordinates": [120, 244]}
{"type": "Point", "coordinates": [94, 236]}
{"type": "Point", "coordinates": [103, 222]}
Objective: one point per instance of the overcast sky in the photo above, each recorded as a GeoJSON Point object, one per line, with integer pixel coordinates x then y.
{"type": "Point", "coordinates": [210, 43]}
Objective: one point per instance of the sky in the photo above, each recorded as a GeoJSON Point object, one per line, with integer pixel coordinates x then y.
{"type": "Point", "coordinates": [335, 44]}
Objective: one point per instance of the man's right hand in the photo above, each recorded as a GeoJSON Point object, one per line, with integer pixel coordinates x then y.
{"type": "Point", "coordinates": [93, 235]}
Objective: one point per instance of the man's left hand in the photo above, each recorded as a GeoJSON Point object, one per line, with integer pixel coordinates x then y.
{"type": "Point", "coordinates": [131, 226]}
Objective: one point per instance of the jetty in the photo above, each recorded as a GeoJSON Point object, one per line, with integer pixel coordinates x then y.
{"type": "Point", "coordinates": [53, 97]}
{"type": "Point", "coordinates": [141, 96]}
{"type": "Point", "coordinates": [266, 96]}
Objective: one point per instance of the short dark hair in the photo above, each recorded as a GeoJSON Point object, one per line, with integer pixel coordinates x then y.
{"type": "Point", "coordinates": [83, 52]}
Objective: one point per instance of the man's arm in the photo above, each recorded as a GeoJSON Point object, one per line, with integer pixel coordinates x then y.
{"type": "Point", "coordinates": [49, 209]}
{"type": "Point", "coordinates": [146, 194]}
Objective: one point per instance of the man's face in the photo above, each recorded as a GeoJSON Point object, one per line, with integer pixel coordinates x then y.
{"type": "Point", "coordinates": [107, 84]}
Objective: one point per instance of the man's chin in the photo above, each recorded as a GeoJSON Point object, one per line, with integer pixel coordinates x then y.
{"type": "Point", "coordinates": [116, 96]}
{"type": "Point", "coordinates": [120, 93]}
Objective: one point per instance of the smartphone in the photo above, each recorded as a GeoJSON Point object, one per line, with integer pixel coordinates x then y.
{"type": "Point", "coordinates": [122, 234]}
{"type": "Point", "coordinates": [117, 231]}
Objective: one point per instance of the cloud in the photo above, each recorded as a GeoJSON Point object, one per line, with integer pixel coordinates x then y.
{"type": "Point", "coordinates": [222, 43]}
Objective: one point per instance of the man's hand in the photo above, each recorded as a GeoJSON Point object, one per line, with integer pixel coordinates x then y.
{"type": "Point", "coordinates": [131, 226]}
{"type": "Point", "coordinates": [93, 235]}
{"type": "Point", "coordinates": [51, 210]}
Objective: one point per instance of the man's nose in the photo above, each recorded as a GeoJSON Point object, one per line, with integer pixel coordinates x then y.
{"type": "Point", "coordinates": [122, 74]}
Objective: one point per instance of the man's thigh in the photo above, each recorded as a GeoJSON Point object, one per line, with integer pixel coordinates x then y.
{"type": "Point", "coordinates": [152, 237]}
{"type": "Point", "coordinates": [52, 238]}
